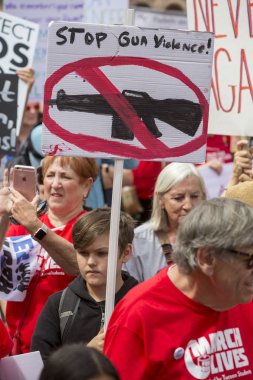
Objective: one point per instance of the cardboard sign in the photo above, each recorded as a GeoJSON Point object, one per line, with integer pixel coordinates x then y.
{"type": "Point", "coordinates": [8, 112]}
{"type": "Point", "coordinates": [126, 92]}
{"type": "Point", "coordinates": [17, 43]}
{"type": "Point", "coordinates": [232, 79]}
{"type": "Point", "coordinates": [21, 367]}
{"type": "Point", "coordinates": [42, 12]}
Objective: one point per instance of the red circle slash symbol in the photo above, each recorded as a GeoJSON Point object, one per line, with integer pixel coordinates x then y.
{"type": "Point", "coordinates": [88, 68]}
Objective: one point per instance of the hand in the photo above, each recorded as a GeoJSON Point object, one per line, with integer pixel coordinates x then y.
{"type": "Point", "coordinates": [5, 201]}
{"type": "Point", "coordinates": [243, 161]}
{"type": "Point", "coordinates": [23, 211]}
{"type": "Point", "coordinates": [216, 165]}
{"type": "Point", "coordinates": [98, 341]}
{"type": "Point", "coordinates": [27, 75]}
{"type": "Point", "coordinates": [247, 175]}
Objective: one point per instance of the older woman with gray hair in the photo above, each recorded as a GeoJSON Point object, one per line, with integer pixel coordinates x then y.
{"type": "Point", "coordinates": [194, 319]}
{"type": "Point", "coordinates": [179, 188]}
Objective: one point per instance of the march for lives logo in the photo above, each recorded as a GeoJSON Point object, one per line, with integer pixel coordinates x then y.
{"type": "Point", "coordinates": [215, 356]}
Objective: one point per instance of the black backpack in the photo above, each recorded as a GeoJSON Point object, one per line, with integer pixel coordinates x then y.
{"type": "Point", "coordinates": [68, 307]}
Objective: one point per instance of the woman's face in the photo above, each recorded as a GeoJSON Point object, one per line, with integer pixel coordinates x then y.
{"type": "Point", "coordinates": [31, 114]}
{"type": "Point", "coordinates": [63, 189]}
{"type": "Point", "coordinates": [181, 198]}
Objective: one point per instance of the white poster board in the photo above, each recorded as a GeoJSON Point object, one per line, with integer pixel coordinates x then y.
{"type": "Point", "coordinates": [21, 367]}
{"type": "Point", "coordinates": [104, 11]}
{"type": "Point", "coordinates": [232, 80]}
{"type": "Point", "coordinates": [126, 92]}
{"type": "Point", "coordinates": [18, 41]}
{"type": "Point", "coordinates": [42, 12]}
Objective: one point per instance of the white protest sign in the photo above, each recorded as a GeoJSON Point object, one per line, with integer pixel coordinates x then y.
{"type": "Point", "coordinates": [17, 42]}
{"type": "Point", "coordinates": [104, 11]}
{"type": "Point", "coordinates": [21, 367]}
{"type": "Point", "coordinates": [232, 81]}
{"type": "Point", "coordinates": [127, 92]}
{"type": "Point", "coordinates": [18, 264]}
{"type": "Point", "coordinates": [42, 12]}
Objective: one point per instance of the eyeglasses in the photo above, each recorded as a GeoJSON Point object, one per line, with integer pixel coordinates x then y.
{"type": "Point", "coordinates": [247, 256]}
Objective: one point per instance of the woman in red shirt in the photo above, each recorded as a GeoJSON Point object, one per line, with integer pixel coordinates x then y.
{"type": "Point", "coordinates": [67, 181]}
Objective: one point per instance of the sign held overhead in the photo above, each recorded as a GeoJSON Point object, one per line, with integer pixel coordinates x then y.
{"type": "Point", "coordinates": [127, 92]}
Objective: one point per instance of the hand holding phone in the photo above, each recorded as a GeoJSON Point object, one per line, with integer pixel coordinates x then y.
{"type": "Point", "coordinates": [24, 181]}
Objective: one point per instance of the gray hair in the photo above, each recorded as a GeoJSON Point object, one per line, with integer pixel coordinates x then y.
{"type": "Point", "coordinates": [170, 176]}
{"type": "Point", "coordinates": [220, 224]}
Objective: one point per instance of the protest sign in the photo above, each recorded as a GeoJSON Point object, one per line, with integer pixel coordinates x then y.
{"type": "Point", "coordinates": [20, 258]}
{"type": "Point", "coordinates": [42, 12]}
{"type": "Point", "coordinates": [18, 264]}
{"type": "Point", "coordinates": [104, 11]}
{"type": "Point", "coordinates": [21, 367]}
{"type": "Point", "coordinates": [17, 43]}
{"type": "Point", "coordinates": [126, 92]}
{"type": "Point", "coordinates": [232, 80]}
{"type": "Point", "coordinates": [8, 112]}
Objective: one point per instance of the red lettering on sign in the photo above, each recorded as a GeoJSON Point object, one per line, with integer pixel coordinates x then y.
{"type": "Point", "coordinates": [234, 19]}
{"type": "Point", "coordinates": [208, 16]}
{"type": "Point", "coordinates": [238, 88]}
{"type": "Point", "coordinates": [204, 13]}
{"type": "Point", "coordinates": [250, 17]}
{"type": "Point", "coordinates": [217, 82]}
{"type": "Point", "coordinates": [244, 67]}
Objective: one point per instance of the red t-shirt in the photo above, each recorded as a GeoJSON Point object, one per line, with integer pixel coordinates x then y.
{"type": "Point", "coordinates": [52, 279]}
{"type": "Point", "coordinates": [157, 332]}
{"type": "Point", "coordinates": [5, 341]}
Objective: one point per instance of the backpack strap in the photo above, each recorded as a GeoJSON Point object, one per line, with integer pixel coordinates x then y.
{"type": "Point", "coordinates": [68, 307]}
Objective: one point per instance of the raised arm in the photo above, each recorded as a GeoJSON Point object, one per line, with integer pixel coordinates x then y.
{"type": "Point", "coordinates": [13, 203]}
{"type": "Point", "coordinates": [242, 167]}
{"type": "Point", "coordinates": [57, 247]}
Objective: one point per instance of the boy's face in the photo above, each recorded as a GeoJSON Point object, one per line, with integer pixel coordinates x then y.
{"type": "Point", "coordinates": [92, 263]}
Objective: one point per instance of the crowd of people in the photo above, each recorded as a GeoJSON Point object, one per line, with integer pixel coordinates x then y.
{"type": "Point", "coordinates": [190, 316]}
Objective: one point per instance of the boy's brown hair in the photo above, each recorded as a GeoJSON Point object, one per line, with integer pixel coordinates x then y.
{"type": "Point", "coordinates": [97, 222]}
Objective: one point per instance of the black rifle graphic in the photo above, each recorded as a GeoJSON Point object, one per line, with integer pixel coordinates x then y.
{"type": "Point", "coordinates": [181, 114]}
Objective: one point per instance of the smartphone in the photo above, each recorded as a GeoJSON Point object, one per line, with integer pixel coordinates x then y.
{"type": "Point", "coordinates": [24, 181]}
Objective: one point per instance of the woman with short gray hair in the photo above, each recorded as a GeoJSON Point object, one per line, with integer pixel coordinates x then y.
{"type": "Point", "coordinates": [179, 188]}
